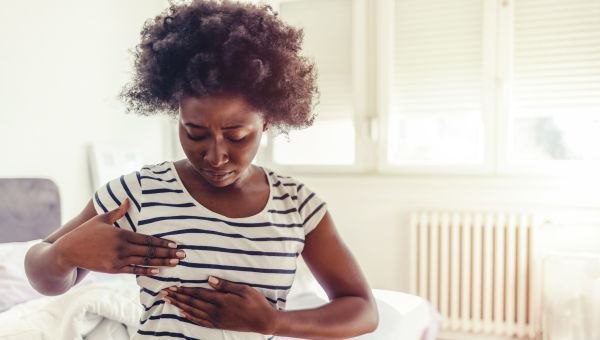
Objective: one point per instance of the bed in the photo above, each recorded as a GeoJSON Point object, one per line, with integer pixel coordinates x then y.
{"type": "Point", "coordinates": [106, 306]}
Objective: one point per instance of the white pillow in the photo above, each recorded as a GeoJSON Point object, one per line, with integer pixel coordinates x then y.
{"type": "Point", "coordinates": [14, 286]}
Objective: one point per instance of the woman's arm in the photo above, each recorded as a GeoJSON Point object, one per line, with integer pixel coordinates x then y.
{"type": "Point", "coordinates": [352, 310]}
{"type": "Point", "coordinates": [46, 271]}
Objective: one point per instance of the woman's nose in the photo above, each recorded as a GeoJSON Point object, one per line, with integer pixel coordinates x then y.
{"type": "Point", "coordinates": [216, 155]}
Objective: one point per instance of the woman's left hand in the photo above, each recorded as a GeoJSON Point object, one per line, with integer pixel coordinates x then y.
{"type": "Point", "coordinates": [231, 306]}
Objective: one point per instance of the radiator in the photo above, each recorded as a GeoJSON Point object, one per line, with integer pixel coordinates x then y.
{"type": "Point", "coordinates": [478, 269]}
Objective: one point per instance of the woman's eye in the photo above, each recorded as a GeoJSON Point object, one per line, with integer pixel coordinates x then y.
{"type": "Point", "coordinates": [237, 140]}
{"type": "Point", "coordinates": [195, 138]}
{"type": "Point", "coordinates": [198, 138]}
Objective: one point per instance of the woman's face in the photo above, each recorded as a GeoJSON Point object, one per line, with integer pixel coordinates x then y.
{"type": "Point", "coordinates": [220, 136]}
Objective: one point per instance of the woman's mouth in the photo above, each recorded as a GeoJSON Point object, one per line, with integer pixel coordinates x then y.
{"type": "Point", "coordinates": [217, 176]}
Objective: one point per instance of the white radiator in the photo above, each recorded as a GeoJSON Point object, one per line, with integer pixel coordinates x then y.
{"type": "Point", "coordinates": [477, 269]}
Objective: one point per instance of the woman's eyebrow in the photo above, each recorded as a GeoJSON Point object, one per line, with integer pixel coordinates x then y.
{"type": "Point", "coordinates": [237, 126]}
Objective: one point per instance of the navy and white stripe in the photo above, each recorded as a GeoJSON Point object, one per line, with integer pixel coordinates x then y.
{"type": "Point", "coordinates": [259, 250]}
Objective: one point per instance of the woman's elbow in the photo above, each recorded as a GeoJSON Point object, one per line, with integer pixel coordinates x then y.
{"type": "Point", "coordinates": [371, 317]}
{"type": "Point", "coordinates": [374, 318]}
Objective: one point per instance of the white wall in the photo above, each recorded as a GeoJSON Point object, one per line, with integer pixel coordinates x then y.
{"type": "Point", "coordinates": [62, 65]}
{"type": "Point", "coordinates": [371, 212]}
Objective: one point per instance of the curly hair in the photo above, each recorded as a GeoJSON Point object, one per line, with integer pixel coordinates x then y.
{"type": "Point", "coordinates": [209, 47]}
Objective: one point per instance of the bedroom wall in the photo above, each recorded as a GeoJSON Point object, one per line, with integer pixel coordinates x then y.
{"type": "Point", "coordinates": [372, 213]}
{"type": "Point", "coordinates": [63, 63]}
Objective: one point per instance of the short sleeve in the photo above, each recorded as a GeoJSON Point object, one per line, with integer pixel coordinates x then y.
{"type": "Point", "coordinates": [110, 196]}
{"type": "Point", "coordinates": [310, 207]}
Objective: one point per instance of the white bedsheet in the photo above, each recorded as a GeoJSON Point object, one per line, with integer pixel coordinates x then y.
{"type": "Point", "coordinates": [75, 314]}
{"type": "Point", "coordinates": [109, 310]}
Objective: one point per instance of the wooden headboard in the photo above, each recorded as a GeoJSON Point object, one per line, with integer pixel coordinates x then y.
{"type": "Point", "coordinates": [29, 208]}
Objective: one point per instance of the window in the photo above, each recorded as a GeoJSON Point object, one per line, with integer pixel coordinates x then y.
{"type": "Point", "coordinates": [555, 97]}
{"type": "Point", "coordinates": [436, 86]}
{"type": "Point", "coordinates": [332, 53]}
{"type": "Point", "coordinates": [435, 109]}
{"type": "Point", "coordinates": [503, 86]}
{"type": "Point", "coordinates": [334, 39]}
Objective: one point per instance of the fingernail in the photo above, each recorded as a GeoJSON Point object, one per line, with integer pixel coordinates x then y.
{"type": "Point", "coordinates": [173, 289]}
{"type": "Point", "coordinates": [180, 254]}
{"type": "Point", "coordinates": [154, 271]}
{"type": "Point", "coordinates": [173, 261]}
{"type": "Point", "coordinates": [167, 300]}
{"type": "Point", "coordinates": [172, 245]}
{"type": "Point", "coordinates": [213, 280]}
{"type": "Point", "coordinates": [164, 292]}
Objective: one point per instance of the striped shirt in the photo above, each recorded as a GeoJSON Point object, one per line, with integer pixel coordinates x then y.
{"type": "Point", "coordinates": [260, 250]}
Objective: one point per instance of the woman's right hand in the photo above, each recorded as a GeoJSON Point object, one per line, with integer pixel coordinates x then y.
{"type": "Point", "coordinates": [98, 246]}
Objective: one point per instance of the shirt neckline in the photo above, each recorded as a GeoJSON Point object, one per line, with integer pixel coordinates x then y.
{"type": "Point", "coordinates": [199, 205]}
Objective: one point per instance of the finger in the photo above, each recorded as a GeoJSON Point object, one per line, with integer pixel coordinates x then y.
{"type": "Point", "coordinates": [149, 240]}
{"type": "Point", "coordinates": [227, 286]}
{"type": "Point", "coordinates": [133, 269]}
{"type": "Point", "coordinates": [114, 215]}
{"type": "Point", "coordinates": [197, 316]}
{"type": "Point", "coordinates": [201, 322]}
{"type": "Point", "coordinates": [186, 299]}
{"type": "Point", "coordinates": [211, 296]}
{"type": "Point", "coordinates": [154, 262]}
{"type": "Point", "coordinates": [152, 251]}
{"type": "Point", "coordinates": [196, 301]}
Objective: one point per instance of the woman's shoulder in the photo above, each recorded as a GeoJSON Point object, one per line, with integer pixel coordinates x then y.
{"type": "Point", "coordinates": [295, 194]}
{"type": "Point", "coordinates": [287, 184]}
{"type": "Point", "coordinates": [133, 180]}
{"type": "Point", "coordinates": [274, 174]}
{"type": "Point", "coordinates": [278, 179]}
{"type": "Point", "coordinates": [157, 168]}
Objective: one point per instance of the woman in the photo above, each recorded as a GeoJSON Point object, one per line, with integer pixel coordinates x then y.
{"type": "Point", "coordinates": [212, 238]}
